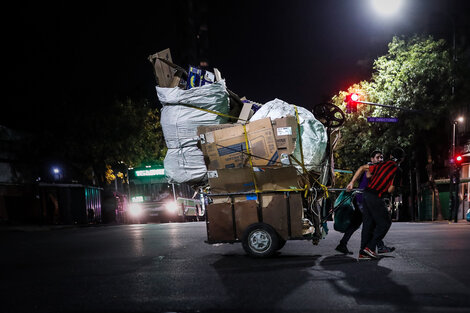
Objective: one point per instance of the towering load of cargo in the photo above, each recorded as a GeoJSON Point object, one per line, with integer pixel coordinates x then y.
{"type": "Point", "coordinates": [183, 111]}
{"type": "Point", "coordinates": [185, 107]}
{"type": "Point", "coordinates": [260, 175]}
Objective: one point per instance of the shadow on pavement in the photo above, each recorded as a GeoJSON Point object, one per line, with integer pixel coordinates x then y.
{"type": "Point", "coordinates": [371, 284]}
{"type": "Point", "coordinates": [368, 282]}
{"type": "Point", "coordinates": [253, 284]}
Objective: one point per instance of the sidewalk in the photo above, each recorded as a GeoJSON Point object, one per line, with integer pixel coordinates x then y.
{"type": "Point", "coordinates": [36, 228]}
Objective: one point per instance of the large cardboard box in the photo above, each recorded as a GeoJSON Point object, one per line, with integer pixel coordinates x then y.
{"type": "Point", "coordinates": [226, 148]}
{"type": "Point", "coordinates": [241, 179]}
{"type": "Point", "coordinates": [163, 72]}
{"type": "Point", "coordinates": [285, 131]}
{"type": "Point", "coordinates": [201, 130]}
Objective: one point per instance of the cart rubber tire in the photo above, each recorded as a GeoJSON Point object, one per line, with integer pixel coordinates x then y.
{"type": "Point", "coordinates": [260, 240]}
{"type": "Point", "coordinates": [281, 243]}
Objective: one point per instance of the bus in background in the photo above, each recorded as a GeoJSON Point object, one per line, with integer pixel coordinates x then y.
{"type": "Point", "coordinates": [154, 199]}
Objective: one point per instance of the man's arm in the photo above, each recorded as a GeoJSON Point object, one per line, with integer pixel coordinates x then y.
{"type": "Point", "coordinates": [396, 181]}
{"type": "Point", "coordinates": [358, 173]}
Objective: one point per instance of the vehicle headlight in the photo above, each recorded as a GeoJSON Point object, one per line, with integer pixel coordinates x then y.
{"type": "Point", "coordinates": [135, 209]}
{"type": "Point", "coordinates": [171, 207]}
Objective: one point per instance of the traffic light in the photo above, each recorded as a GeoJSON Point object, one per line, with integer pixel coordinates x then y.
{"type": "Point", "coordinates": [458, 160]}
{"type": "Point", "coordinates": [351, 102]}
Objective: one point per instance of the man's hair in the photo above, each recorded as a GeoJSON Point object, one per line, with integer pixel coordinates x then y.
{"type": "Point", "coordinates": [397, 153]}
{"type": "Point", "coordinates": [375, 152]}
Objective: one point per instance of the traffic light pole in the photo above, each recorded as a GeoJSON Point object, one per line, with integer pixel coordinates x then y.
{"type": "Point", "coordinates": [387, 106]}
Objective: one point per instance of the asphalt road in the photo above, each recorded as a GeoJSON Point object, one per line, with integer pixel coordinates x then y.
{"type": "Point", "coordinates": [169, 268]}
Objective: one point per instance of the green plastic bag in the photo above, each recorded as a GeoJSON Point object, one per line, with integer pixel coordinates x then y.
{"type": "Point", "coordinates": [343, 211]}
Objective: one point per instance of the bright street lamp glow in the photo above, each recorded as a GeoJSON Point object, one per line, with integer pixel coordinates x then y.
{"type": "Point", "coordinates": [460, 119]}
{"type": "Point", "coordinates": [386, 7]}
{"type": "Point", "coordinates": [56, 170]}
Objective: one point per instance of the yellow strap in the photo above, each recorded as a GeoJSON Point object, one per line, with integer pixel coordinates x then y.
{"type": "Point", "coordinates": [300, 163]}
{"type": "Point", "coordinates": [323, 187]}
{"type": "Point", "coordinates": [300, 140]}
{"type": "Point", "coordinates": [208, 111]}
{"type": "Point", "coordinates": [325, 190]}
{"type": "Point", "coordinates": [249, 158]}
{"type": "Point", "coordinates": [283, 190]}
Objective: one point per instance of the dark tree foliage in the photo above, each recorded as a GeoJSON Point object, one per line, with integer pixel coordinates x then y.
{"type": "Point", "coordinates": [415, 74]}
{"type": "Point", "coordinates": [89, 141]}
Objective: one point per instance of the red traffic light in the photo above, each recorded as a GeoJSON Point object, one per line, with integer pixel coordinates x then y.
{"type": "Point", "coordinates": [458, 159]}
{"type": "Point", "coordinates": [351, 102]}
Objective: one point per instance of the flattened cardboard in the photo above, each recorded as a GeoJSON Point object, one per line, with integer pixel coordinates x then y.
{"type": "Point", "coordinates": [274, 211]}
{"type": "Point", "coordinates": [241, 179]}
{"type": "Point", "coordinates": [285, 131]}
{"type": "Point", "coordinates": [277, 178]}
{"type": "Point", "coordinates": [246, 113]}
{"type": "Point", "coordinates": [220, 222]}
{"type": "Point", "coordinates": [163, 72]}
{"type": "Point", "coordinates": [274, 208]}
{"type": "Point", "coordinates": [226, 148]}
{"type": "Point", "coordinates": [296, 214]}
{"type": "Point", "coordinates": [201, 130]}
{"type": "Point", "coordinates": [246, 213]}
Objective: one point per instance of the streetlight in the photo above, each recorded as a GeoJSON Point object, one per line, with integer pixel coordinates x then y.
{"type": "Point", "coordinates": [57, 173]}
{"type": "Point", "coordinates": [386, 8]}
{"type": "Point", "coordinates": [460, 119]}
{"type": "Point", "coordinates": [454, 177]}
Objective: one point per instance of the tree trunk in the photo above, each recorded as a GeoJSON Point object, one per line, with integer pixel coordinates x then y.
{"type": "Point", "coordinates": [418, 192]}
{"type": "Point", "coordinates": [432, 183]}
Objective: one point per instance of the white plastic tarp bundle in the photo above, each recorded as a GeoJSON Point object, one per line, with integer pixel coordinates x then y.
{"type": "Point", "coordinates": [184, 161]}
{"type": "Point", "coordinates": [313, 133]}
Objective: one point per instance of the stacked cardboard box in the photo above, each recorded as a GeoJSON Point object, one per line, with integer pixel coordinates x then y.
{"type": "Point", "coordinates": [230, 167]}
{"type": "Point", "coordinates": [245, 190]}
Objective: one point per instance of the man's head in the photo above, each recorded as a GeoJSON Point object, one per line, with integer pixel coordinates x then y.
{"type": "Point", "coordinates": [397, 154]}
{"type": "Point", "coordinates": [376, 156]}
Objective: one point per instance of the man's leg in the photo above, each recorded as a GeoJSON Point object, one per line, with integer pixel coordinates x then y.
{"type": "Point", "coordinates": [356, 221]}
{"type": "Point", "coordinates": [368, 223]}
{"type": "Point", "coordinates": [382, 218]}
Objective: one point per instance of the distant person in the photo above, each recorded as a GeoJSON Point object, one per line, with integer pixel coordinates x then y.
{"type": "Point", "coordinates": [383, 178]}
{"type": "Point", "coordinates": [356, 219]}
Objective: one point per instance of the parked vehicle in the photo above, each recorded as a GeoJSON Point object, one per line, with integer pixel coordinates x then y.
{"type": "Point", "coordinates": [153, 199]}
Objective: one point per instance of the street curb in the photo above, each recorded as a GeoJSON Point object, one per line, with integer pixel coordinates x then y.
{"type": "Point", "coordinates": [42, 228]}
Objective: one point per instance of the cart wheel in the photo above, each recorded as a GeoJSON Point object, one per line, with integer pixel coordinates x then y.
{"type": "Point", "coordinates": [260, 240]}
{"type": "Point", "coordinates": [281, 243]}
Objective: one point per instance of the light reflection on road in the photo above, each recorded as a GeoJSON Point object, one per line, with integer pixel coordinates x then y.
{"type": "Point", "coordinates": [137, 238]}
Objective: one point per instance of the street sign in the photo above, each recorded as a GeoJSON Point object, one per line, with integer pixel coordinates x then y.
{"type": "Point", "coordinates": [382, 119]}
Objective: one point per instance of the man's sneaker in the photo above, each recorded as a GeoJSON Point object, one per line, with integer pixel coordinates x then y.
{"type": "Point", "coordinates": [385, 249]}
{"type": "Point", "coordinates": [371, 253]}
{"type": "Point", "coordinates": [363, 256]}
{"type": "Point", "coordinates": [343, 249]}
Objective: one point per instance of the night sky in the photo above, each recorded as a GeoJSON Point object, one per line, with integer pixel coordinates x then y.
{"type": "Point", "coordinates": [82, 56]}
